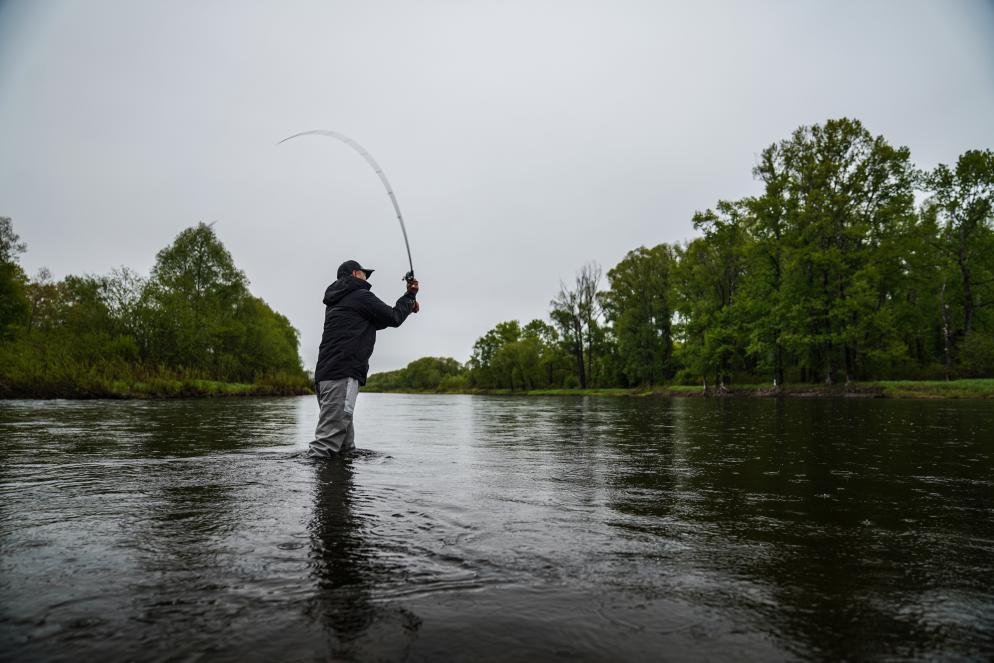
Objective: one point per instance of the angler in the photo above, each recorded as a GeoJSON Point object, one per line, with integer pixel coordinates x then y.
{"type": "Point", "coordinates": [352, 317]}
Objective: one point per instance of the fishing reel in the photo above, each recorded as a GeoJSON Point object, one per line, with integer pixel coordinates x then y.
{"type": "Point", "coordinates": [409, 277]}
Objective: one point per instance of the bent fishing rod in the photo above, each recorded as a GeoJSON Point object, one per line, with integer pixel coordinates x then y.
{"type": "Point", "coordinates": [379, 171]}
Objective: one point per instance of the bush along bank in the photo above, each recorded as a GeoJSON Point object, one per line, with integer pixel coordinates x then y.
{"type": "Point", "coordinates": [393, 382]}
{"type": "Point", "coordinates": [189, 329]}
{"type": "Point", "coordinates": [79, 382]}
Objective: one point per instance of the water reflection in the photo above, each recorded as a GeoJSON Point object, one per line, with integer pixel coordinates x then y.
{"type": "Point", "coordinates": [818, 509]}
{"type": "Point", "coordinates": [346, 568]}
{"type": "Point", "coordinates": [337, 556]}
{"type": "Point", "coordinates": [498, 527]}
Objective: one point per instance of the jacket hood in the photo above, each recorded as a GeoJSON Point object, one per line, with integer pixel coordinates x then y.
{"type": "Point", "coordinates": [343, 286]}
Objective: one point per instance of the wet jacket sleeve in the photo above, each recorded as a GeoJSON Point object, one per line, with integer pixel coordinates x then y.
{"type": "Point", "coordinates": [383, 315]}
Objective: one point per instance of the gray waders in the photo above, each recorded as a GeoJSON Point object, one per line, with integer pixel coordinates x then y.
{"type": "Point", "coordinates": [335, 432]}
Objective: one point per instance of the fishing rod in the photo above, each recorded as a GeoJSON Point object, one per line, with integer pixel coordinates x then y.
{"type": "Point", "coordinates": [379, 171]}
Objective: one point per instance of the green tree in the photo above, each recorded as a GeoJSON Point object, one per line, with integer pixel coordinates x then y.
{"type": "Point", "coordinates": [191, 301]}
{"type": "Point", "coordinates": [510, 356]}
{"type": "Point", "coordinates": [553, 364]}
{"type": "Point", "coordinates": [14, 307]}
{"type": "Point", "coordinates": [576, 312]}
{"type": "Point", "coordinates": [43, 296]}
{"type": "Point", "coordinates": [261, 341]}
{"type": "Point", "coordinates": [193, 319]}
{"type": "Point", "coordinates": [845, 196]}
{"type": "Point", "coordinates": [963, 202]}
{"type": "Point", "coordinates": [429, 373]}
{"type": "Point", "coordinates": [707, 281]}
{"type": "Point", "coordinates": [483, 371]}
{"type": "Point", "coordinates": [637, 305]}
{"type": "Point", "coordinates": [768, 219]}
{"type": "Point", "coordinates": [424, 374]}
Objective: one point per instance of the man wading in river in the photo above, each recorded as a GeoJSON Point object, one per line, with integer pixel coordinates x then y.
{"type": "Point", "coordinates": [352, 316]}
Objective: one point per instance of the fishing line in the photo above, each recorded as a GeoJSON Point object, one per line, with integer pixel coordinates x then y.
{"type": "Point", "coordinates": [379, 171]}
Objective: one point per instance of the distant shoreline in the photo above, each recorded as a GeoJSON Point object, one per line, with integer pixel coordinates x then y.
{"type": "Point", "coordinates": [905, 389]}
{"type": "Point", "coordinates": [171, 389]}
{"type": "Point", "coordinates": [156, 389]}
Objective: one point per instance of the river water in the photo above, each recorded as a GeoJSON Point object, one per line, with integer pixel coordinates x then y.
{"type": "Point", "coordinates": [498, 528]}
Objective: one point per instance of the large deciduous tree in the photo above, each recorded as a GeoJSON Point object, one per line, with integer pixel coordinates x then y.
{"type": "Point", "coordinates": [193, 294]}
{"type": "Point", "coordinates": [14, 306]}
{"type": "Point", "coordinates": [575, 312]}
{"type": "Point", "coordinates": [963, 202]}
{"type": "Point", "coordinates": [706, 282]}
{"type": "Point", "coordinates": [637, 305]}
{"type": "Point", "coordinates": [844, 195]}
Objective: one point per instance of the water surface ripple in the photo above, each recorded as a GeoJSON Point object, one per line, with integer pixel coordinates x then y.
{"type": "Point", "coordinates": [498, 528]}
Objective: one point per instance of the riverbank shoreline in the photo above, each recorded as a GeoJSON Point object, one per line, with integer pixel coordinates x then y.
{"type": "Point", "coordinates": [154, 389]}
{"type": "Point", "coordinates": [160, 389]}
{"type": "Point", "coordinates": [902, 389]}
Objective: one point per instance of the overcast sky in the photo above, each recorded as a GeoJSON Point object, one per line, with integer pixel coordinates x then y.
{"type": "Point", "coordinates": [522, 138]}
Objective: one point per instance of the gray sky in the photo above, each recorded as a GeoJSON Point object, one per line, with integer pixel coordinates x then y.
{"type": "Point", "coordinates": [522, 138]}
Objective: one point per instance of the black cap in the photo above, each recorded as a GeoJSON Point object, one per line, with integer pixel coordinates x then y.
{"type": "Point", "coordinates": [350, 266]}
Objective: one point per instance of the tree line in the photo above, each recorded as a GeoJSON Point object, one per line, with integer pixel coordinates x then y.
{"type": "Point", "coordinates": [849, 264]}
{"type": "Point", "coordinates": [191, 322]}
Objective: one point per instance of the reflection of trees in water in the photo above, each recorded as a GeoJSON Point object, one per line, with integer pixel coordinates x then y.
{"type": "Point", "coordinates": [195, 495]}
{"type": "Point", "coordinates": [801, 510]}
{"type": "Point", "coordinates": [645, 477]}
{"type": "Point", "coordinates": [576, 441]}
{"type": "Point", "coordinates": [346, 569]}
{"type": "Point", "coordinates": [191, 571]}
{"type": "Point", "coordinates": [183, 428]}
{"type": "Point", "coordinates": [159, 527]}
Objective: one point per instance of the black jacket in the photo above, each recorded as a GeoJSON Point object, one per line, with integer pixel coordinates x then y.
{"type": "Point", "coordinates": [351, 318]}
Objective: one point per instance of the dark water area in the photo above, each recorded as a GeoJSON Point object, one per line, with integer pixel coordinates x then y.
{"type": "Point", "coordinates": [498, 528]}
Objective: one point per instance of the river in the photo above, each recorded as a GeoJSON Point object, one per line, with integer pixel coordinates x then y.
{"type": "Point", "coordinates": [474, 528]}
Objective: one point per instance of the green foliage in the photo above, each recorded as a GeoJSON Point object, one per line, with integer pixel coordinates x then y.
{"type": "Point", "coordinates": [962, 205]}
{"type": "Point", "coordinates": [428, 374]}
{"type": "Point", "coordinates": [845, 196]}
{"type": "Point", "coordinates": [637, 305]}
{"type": "Point", "coordinates": [193, 303]}
{"type": "Point", "coordinates": [11, 245]}
{"type": "Point", "coordinates": [188, 329]}
{"type": "Point", "coordinates": [829, 274]}
{"type": "Point", "coordinates": [935, 389]}
{"type": "Point", "coordinates": [977, 355]}
{"type": "Point", "coordinates": [14, 307]}
{"type": "Point", "coordinates": [575, 313]}
{"type": "Point", "coordinates": [706, 288]}
{"type": "Point", "coordinates": [511, 357]}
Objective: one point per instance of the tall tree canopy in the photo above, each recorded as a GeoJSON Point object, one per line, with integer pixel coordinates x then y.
{"type": "Point", "coordinates": [637, 305]}
{"type": "Point", "coordinates": [13, 300]}
{"type": "Point", "coordinates": [192, 317]}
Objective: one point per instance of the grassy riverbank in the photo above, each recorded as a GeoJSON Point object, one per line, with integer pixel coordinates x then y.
{"type": "Point", "coordinates": [161, 386]}
{"type": "Point", "coordinates": [877, 389]}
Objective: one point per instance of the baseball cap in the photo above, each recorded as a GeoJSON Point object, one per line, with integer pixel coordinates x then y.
{"type": "Point", "coordinates": [350, 266]}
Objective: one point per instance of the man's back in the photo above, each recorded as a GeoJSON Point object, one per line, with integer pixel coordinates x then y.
{"type": "Point", "coordinates": [352, 316]}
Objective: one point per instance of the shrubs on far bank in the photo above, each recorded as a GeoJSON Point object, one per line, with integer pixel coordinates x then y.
{"type": "Point", "coordinates": [118, 381]}
{"type": "Point", "coordinates": [189, 329]}
{"type": "Point", "coordinates": [444, 375]}
{"type": "Point", "coordinates": [33, 368]}
{"type": "Point", "coordinates": [428, 374]}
